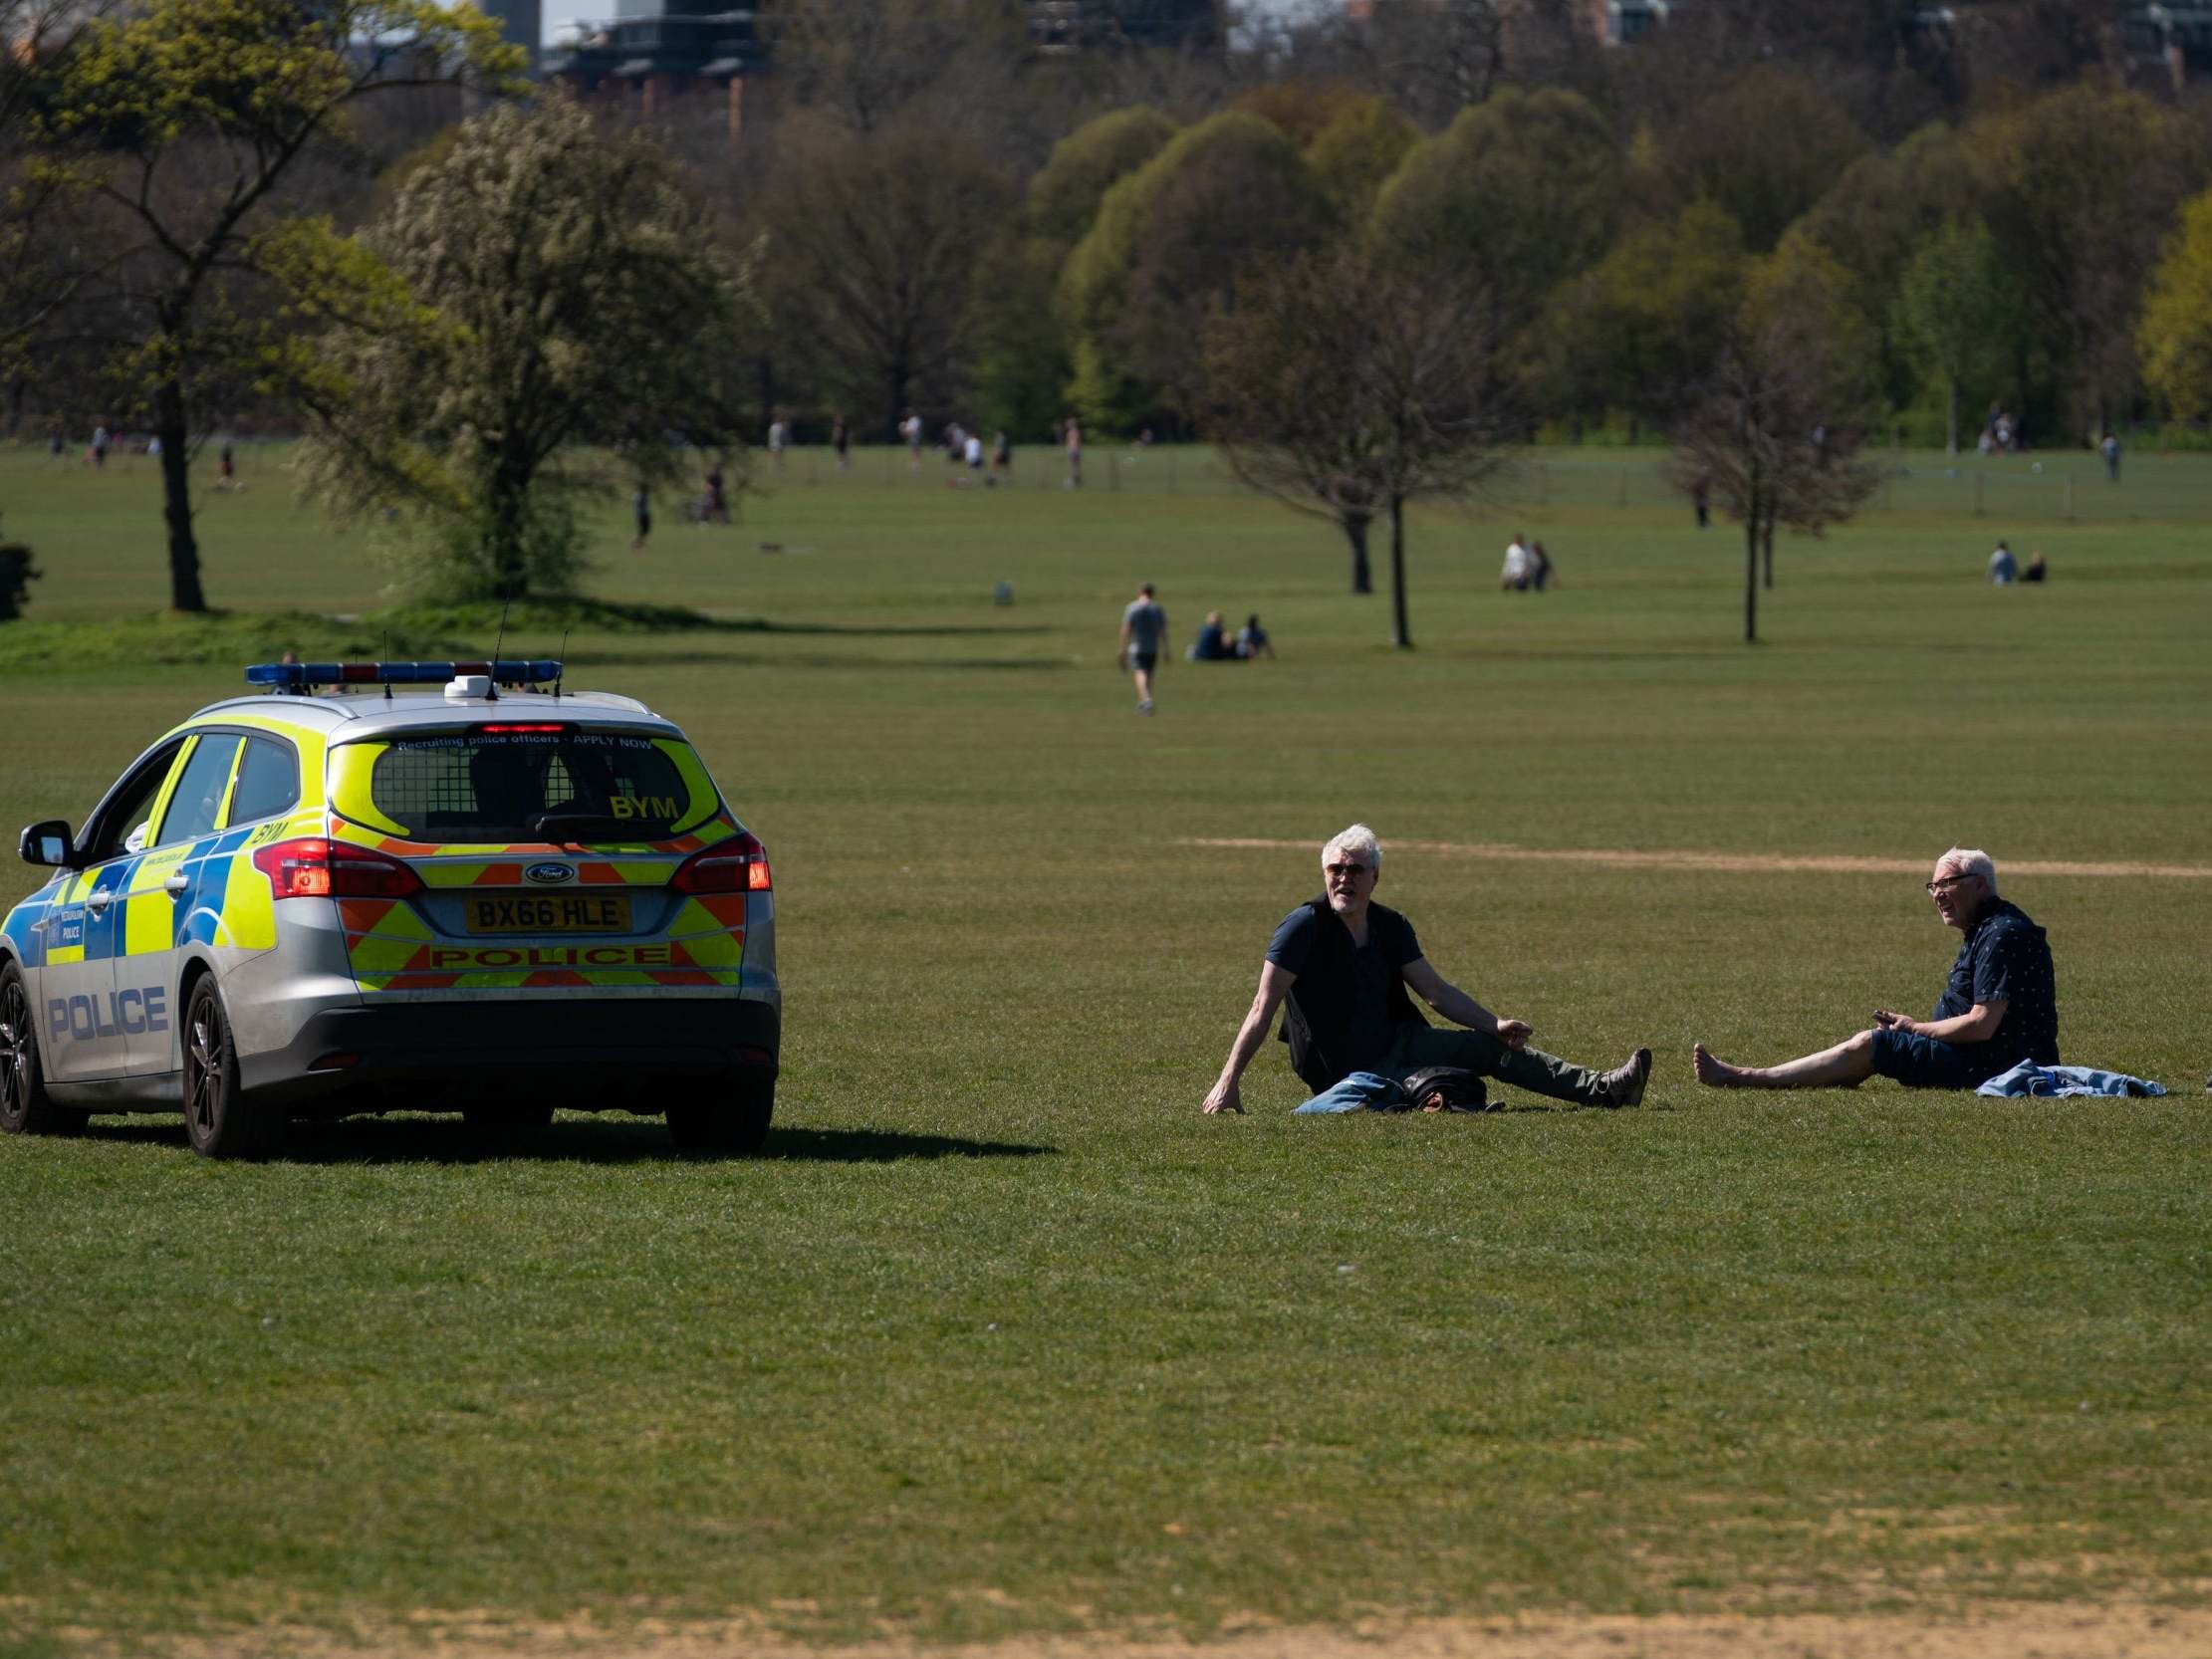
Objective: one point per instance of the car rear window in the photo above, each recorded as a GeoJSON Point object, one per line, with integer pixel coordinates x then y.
{"type": "Point", "coordinates": [529, 786]}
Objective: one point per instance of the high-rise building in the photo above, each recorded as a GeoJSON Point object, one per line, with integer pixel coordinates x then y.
{"type": "Point", "coordinates": [520, 23]}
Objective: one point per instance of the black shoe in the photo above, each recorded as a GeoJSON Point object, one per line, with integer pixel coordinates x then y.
{"type": "Point", "coordinates": [1623, 1086]}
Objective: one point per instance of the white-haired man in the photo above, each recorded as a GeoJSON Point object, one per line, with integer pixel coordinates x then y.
{"type": "Point", "coordinates": [1999, 1007]}
{"type": "Point", "coordinates": [1339, 967]}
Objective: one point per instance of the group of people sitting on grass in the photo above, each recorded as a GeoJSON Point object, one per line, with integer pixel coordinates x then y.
{"type": "Point", "coordinates": [1340, 966]}
{"type": "Point", "coordinates": [1216, 643]}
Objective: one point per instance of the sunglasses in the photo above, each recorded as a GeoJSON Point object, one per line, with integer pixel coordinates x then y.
{"type": "Point", "coordinates": [1343, 870]}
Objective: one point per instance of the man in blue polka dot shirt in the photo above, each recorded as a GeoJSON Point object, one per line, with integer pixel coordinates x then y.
{"type": "Point", "coordinates": [1999, 1007]}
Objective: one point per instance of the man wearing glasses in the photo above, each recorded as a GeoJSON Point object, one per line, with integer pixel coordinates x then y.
{"type": "Point", "coordinates": [2000, 1008]}
{"type": "Point", "coordinates": [1344, 963]}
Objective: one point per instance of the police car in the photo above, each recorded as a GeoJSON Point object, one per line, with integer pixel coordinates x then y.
{"type": "Point", "coordinates": [379, 886]}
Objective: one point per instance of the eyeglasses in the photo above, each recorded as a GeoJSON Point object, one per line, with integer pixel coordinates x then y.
{"type": "Point", "coordinates": [1343, 870]}
{"type": "Point", "coordinates": [1935, 887]}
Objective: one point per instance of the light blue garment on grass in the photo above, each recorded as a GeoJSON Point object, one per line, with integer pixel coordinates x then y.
{"type": "Point", "coordinates": [1361, 1092]}
{"type": "Point", "coordinates": [2029, 1078]}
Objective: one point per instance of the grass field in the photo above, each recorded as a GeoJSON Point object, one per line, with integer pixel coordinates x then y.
{"type": "Point", "coordinates": [1004, 1339]}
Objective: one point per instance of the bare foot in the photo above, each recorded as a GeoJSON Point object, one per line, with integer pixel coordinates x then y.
{"type": "Point", "coordinates": [1712, 1072]}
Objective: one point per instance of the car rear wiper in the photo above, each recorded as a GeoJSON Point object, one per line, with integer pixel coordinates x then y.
{"type": "Point", "coordinates": [576, 828]}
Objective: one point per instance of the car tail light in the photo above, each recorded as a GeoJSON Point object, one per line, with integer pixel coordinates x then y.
{"type": "Point", "coordinates": [315, 867]}
{"type": "Point", "coordinates": [737, 866]}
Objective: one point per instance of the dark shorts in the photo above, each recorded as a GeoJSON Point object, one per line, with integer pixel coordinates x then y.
{"type": "Point", "coordinates": [1930, 1063]}
{"type": "Point", "coordinates": [1145, 661]}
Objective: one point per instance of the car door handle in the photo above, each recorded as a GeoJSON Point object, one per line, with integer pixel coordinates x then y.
{"type": "Point", "coordinates": [176, 884]}
{"type": "Point", "coordinates": [98, 900]}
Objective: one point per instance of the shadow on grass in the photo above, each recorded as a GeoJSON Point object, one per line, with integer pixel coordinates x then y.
{"type": "Point", "coordinates": [603, 1141]}
{"type": "Point", "coordinates": [592, 660]}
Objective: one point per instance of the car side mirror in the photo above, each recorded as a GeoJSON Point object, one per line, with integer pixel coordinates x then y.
{"type": "Point", "coordinates": [47, 844]}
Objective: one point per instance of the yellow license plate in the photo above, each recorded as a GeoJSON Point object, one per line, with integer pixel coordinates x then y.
{"type": "Point", "coordinates": [550, 913]}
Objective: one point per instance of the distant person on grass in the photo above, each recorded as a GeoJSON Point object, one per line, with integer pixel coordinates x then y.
{"type": "Point", "coordinates": [1342, 965]}
{"type": "Point", "coordinates": [1999, 1007]}
{"type": "Point", "coordinates": [1144, 637]}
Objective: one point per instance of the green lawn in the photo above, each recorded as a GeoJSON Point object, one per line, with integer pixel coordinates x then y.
{"type": "Point", "coordinates": [1002, 1335]}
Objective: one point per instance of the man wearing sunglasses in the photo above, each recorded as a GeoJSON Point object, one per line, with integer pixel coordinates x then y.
{"type": "Point", "coordinates": [1340, 968]}
{"type": "Point", "coordinates": [2000, 1008]}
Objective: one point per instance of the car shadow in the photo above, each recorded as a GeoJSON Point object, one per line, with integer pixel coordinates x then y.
{"type": "Point", "coordinates": [448, 1141]}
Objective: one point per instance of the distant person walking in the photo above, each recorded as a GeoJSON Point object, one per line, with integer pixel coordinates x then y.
{"type": "Point", "coordinates": [841, 440]}
{"type": "Point", "coordinates": [226, 469]}
{"type": "Point", "coordinates": [1074, 435]}
{"type": "Point", "coordinates": [1539, 566]}
{"type": "Point", "coordinates": [641, 507]}
{"type": "Point", "coordinates": [1701, 501]}
{"type": "Point", "coordinates": [1002, 457]}
{"type": "Point", "coordinates": [911, 431]}
{"type": "Point", "coordinates": [778, 434]}
{"type": "Point", "coordinates": [2109, 448]}
{"type": "Point", "coordinates": [1143, 638]}
{"type": "Point", "coordinates": [100, 440]}
{"type": "Point", "coordinates": [1513, 576]}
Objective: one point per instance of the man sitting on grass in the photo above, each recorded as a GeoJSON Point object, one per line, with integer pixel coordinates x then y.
{"type": "Point", "coordinates": [1344, 963]}
{"type": "Point", "coordinates": [1998, 1009]}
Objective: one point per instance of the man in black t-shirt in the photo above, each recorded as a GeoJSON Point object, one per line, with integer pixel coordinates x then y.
{"type": "Point", "coordinates": [1342, 965]}
{"type": "Point", "coordinates": [1999, 1007]}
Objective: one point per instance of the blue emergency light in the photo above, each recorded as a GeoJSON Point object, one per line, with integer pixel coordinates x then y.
{"type": "Point", "coordinates": [295, 676]}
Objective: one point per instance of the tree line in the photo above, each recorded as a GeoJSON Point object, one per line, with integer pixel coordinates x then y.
{"type": "Point", "coordinates": [1363, 255]}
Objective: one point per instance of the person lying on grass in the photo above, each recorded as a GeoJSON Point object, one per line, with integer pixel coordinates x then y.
{"type": "Point", "coordinates": [1343, 964]}
{"type": "Point", "coordinates": [1998, 1009]}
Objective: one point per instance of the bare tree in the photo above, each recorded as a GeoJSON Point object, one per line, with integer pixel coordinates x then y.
{"type": "Point", "coordinates": [1775, 434]}
{"type": "Point", "coordinates": [872, 246]}
{"type": "Point", "coordinates": [1344, 387]}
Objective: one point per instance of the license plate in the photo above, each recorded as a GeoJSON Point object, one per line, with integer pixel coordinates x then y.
{"type": "Point", "coordinates": [550, 913]}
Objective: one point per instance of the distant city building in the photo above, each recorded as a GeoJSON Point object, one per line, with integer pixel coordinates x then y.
{"type": "Point", "coordinates": [652, 51]}
{"type": "Point", "coordinates": [520, 23]}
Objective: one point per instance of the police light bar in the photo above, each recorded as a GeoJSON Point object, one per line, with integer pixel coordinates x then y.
{"type": "Point", "coordinates": [295, 676]}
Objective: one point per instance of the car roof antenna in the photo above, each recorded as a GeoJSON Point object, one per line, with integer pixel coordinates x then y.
{"type": "Point", "coordinates": [384, 654]}
{"type": "Point", "coordinates": [491, 696]}
{"type": "Point", "coordinates": [559, 664]}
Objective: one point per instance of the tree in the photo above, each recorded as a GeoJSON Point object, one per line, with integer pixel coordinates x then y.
{"type": "Point", "coordinates": [872, 246]}
{"type": "Point", "coordinates": [34, 279]}
{"type": "Point", "coordinates": [184, 118]}
{"type": "Point", "coordinates": [1019, 353]}
{"type": "Point", "coordinates": [545, 291]}
{"type": "Point", "coordinates": [860, 63]}
{"type": "Point", "coordinates": [1766, 147]}
{"type": "Point", "coordinates": [1344, 385]}
{"type": "Point", "coordinates": [1641, 329]}
{"type": "Point", "coordinates": [1950, 310]}
{"type": "Point", "coordinates": [1774, 435]}
{"type": "Point", "coordinates": [1169, 241]}
{"type": "Point", "coordinates": [1523, 187]}
{"type": "Point", "coordinates": [1355, 155]}
{"type": "Point", "coordinates": [2176, 334]}
{"type": "Point", "coordinates": [2083, 185]}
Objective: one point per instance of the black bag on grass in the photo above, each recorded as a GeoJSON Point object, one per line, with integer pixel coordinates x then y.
{"type": "Point", "coordinates": [1445, 1088]}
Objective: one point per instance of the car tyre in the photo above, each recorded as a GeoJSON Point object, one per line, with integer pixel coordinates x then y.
{"type": "Point", "coordinates": [25, 1108]}
{"type": "Point", "coordinates": [220, 1120]}
{"type": "Point", "coordinates": [737, 1125]}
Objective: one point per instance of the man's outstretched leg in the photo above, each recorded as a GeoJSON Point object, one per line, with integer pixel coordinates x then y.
{"type": "Point", "coordinates": [1845, 1065]}
{"type": "Point", "coordinates": [1525, 1068]}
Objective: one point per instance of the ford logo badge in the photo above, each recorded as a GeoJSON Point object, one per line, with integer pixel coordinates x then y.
{"type": "Point", "coordinates": [549, 876]}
